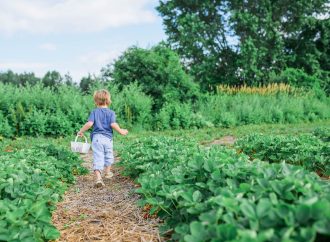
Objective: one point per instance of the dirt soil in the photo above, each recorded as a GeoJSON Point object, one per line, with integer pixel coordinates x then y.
{"type": "Point", "coordinates": [103, 214]}
{"type": "Point", "coordinates": [226, 140]}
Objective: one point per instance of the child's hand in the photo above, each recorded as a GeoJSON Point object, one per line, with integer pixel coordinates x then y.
{"type": "Point", "coordinates": [124, 132]}
{"type": "Point", "coordinates": [81, 134]}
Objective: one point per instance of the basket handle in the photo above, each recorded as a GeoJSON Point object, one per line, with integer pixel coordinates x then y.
{"type": "Point", "coordinates": [78, 137]}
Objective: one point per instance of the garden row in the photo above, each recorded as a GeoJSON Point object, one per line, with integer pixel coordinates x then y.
{"type": "Point", "coordinates": [32, 180]}
{"type": "Point", "coordinates": [219, 194]}
{"type": "Point", "coordinates": [310, 151]}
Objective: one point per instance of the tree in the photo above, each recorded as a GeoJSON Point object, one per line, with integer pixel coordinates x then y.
{"type": "Point", "coordinates": [87, 83]}
{"type": "Point", "coordinates": [68, 80]}
{"type": "Point", "coordinates": [52, 79]}
{"type": "Point", "coordinates": [199, 31]}
{"type": "Point", "coordinates": [157, 70]}
{"type": "Point", "coordinates": [266, 37]}
{"type": "Point", "coordinates": [19, 79]}
{"type": "Point", "coordinates": [273, 35]}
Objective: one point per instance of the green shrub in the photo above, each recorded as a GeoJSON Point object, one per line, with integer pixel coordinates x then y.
{"type": "Point", "coordinates": [179, 116]}
{"type": "Point", "coordinates": [34, 123]}
{"type": "Point", "coordinates": [5, 129]}
{"type": "Point", "coordinates": [159, 73]}
{"type": "Point", "coordinates": [297, 78]}
{"type": "Point", "coordinates": [132, 107]}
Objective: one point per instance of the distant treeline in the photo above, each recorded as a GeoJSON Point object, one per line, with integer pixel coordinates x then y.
{"type": "Point", "coordinates": [52, 79]}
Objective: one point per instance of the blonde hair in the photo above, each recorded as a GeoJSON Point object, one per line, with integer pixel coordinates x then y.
{"type": "Point", "coordinates": [102, 97]}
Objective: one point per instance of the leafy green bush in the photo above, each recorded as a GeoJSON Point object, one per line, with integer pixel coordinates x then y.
{"type": "Point", "coordinates": [297, 78]}
{"type": "Point", "coordinates": [179, 116]}
{"type": "Point", "coordinates": [5, 129]}
{"type": "Point", "coordinates": [36, 110]}
{"type": "Point", "coordinates": [218, 195]}
{"type": "Point", "coordinates": [158, 71]}
{"type": "Point", "coordinates": [132, 106]}
{"type": "Point", "coordinates": [34, 123]}
{"type": "Point", "coordinates": [307, 151]}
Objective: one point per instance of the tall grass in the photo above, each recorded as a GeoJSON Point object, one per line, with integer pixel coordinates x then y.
{"type": "Point", "coordinates": [35, 110]}
{"type": "Point", "coordinates": [269, 89]}
{"type": "Point", "coordinates": [230, 110]}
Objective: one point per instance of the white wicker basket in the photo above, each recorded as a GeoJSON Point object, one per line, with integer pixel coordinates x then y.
{"type": "Point", "coordinates": [80, 147]}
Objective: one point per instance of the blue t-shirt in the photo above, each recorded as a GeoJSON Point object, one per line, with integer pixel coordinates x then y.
{"type": "Point", "coordinates": [102, 119]}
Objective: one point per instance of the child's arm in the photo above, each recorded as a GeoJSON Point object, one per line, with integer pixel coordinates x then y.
{"type": "Point", "coordinates": [116, 127]}
{"type": "Point", "coordinates": [87, 126]}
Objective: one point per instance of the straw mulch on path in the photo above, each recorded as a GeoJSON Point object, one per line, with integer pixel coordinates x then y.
{"type": "Point", "coordinates": [103, 214]}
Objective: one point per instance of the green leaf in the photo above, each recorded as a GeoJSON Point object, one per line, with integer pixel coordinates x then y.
{"type": "Point", "coordinates": [188, 196]}
{"type": "Point", "coordinates": [302, 213]}
{"type": "Point", "coordinates": [307, 234]}
{"type": "Point", "coordinates": [273, 198]}
{"type": "Point", "coordinates": [197, 196]}
{"type": "Point", "coordinates": [51, 233]}
{"type": "Point", "coordinates": [263, 207]}
{"type": "Point", "coordinates": [247, 235]}
{"type": "Point", "coordinates": [198, 233]}
{"type": "Point", "coordinates": [208, 218]}
{"type": "Point", "coordinates": [266, 235]}
{"type": "Point", "coordinates": [248, 209]}
{"type": "Point", "coordinates": [226, 232]}
{"type": "Point", "coordinates": [322, 227]}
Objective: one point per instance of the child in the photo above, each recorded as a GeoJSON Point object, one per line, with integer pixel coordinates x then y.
{"type": "Point", "coordinates": [103, 121]}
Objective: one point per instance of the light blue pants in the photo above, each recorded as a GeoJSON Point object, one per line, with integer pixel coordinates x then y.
{"type": "Point", "coordinates": [102, 152]}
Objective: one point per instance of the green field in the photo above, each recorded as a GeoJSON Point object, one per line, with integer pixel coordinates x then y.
{"type": "Point", "coordinates": [270, 185]}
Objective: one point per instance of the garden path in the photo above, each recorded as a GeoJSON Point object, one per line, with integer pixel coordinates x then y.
{"type": "Point", "coordinates": [106, 214]}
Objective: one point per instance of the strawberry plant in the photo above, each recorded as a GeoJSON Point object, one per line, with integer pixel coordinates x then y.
{"type": "Point", "coordinates": [307, 151]}
{"type": "Point", "coordinates": [218, 195]}
{"type": "Point", "coordinates": [31, 182]}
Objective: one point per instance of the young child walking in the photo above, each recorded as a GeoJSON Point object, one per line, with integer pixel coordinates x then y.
{"type": "Point", "coordinates": [103, 121]}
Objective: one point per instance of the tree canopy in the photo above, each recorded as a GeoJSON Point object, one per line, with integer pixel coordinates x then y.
{"type": "Point", "coordinates": [236, 42]}
{"type": "Point", "coordinates": [157, 70]}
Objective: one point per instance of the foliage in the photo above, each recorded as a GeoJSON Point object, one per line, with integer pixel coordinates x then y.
{"type": "Point", "coordinates": [133, 107]}
{"type": "Point", "coordinates": [322, 133]}
{"type": "Point", "coordinates": [230, 110]}
{"type": "Point", "coordinates": [244, 42]}
{"type": "Point", "coordinates": [218, 195]}
{"type": "Point", "coordinates": [51, 79]}
{"type": "Point", "coordinates": [179, 116]}
{"type": "Point", "coordinates": [87, 83]}
{"type": "Point", "coordinates": [199, 31]}
{"type": "Point", "coordinates": [157, 71]}
{"type": "Point", "coordinates": [297, 78]}
{"type": "Point", "coordinates": [18, 79]}
{"type": "Point", "coordinates": [269, 89]}
{"type": "Point", "coordinates": [36, 110]}
{"type": "Point", "coordinates": [304, 150]}
{"type": "Point", "coordinates": [32, 181]}
{"type": "Point", "coordinates": [5, 129]}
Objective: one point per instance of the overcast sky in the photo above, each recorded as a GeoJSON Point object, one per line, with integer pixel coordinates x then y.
{"type": "Point", "coordinates": [75, 36]}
